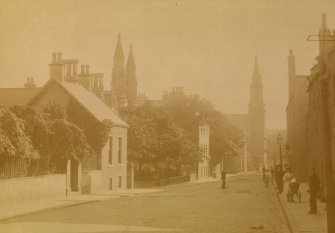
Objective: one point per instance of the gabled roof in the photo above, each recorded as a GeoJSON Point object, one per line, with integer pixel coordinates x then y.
{"type": "Point", "coordinates": [16, 96]}
{"type": "Point", "coordinates": [88, 100]}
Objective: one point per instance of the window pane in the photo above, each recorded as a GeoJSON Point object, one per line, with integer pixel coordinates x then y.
{"type": "Point", "coordinates": [110, 150]}
{"type": "Point", "coordinates": [120, 151]}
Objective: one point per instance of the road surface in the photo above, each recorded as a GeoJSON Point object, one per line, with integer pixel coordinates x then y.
{"type": "Point", "coordinates": [245, 206]}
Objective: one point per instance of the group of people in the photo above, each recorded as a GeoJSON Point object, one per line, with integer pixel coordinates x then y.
{"type": "Point", "coordinates": [287, 184]}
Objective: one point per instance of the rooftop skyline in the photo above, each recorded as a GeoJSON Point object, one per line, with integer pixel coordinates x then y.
{"type": "Point", "coordinates": [207, 47]}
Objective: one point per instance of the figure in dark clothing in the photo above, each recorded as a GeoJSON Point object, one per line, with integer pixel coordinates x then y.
{"type": "Point", "coordinates": [223, 178]}
{"type": "Point", "coordinates": [279, 179]}
{"type": "Point", "coordinates": [314, 187]}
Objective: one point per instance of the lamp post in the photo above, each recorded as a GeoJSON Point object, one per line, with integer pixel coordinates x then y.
{"type": "Point", "coordinates": [280, 142]}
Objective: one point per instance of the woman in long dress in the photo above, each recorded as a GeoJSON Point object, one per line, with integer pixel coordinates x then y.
{"type": "Point", "coordinates": [287, 180]}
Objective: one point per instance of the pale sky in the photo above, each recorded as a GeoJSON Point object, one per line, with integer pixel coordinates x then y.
{"type": "Point", "coordinates": [206, 46]}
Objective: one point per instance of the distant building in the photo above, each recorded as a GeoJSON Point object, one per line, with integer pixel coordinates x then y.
{"type": "Point", "coordinates": [239, 164]}
{"type": "Point", "coordinates": [253, 126]}
{"type": "Point", "coordinates": [18, 96]}
{"type": "Point", "coordinates": [63, 88]}
{"type": "Point", "coordinates": [296, 119]}
{"type": "Point", "coordinates": [203, 168]}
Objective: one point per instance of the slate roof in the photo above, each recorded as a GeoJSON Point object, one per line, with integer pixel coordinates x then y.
{"type": "Point", "coordinates": [16, 96]}
{"type": "Point", "coordinates": [88, 100]}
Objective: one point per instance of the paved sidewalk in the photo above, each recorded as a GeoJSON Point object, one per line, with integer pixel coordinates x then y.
{"type": "Point", "coordinates": [18, 208]}
{"type": "Point", "coordinates": [297, 213]}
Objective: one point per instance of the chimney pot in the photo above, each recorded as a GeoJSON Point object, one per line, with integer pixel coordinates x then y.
{"type": "Point", "coordinates": [75, 68]}
{"type": "Point", "coordinates": [291, 52]}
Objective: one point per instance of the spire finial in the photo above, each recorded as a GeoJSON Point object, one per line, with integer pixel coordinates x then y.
{"type": "Point", "coordinates": [119, 36]}
{"type": "Point", "coordinates": [256, 69]}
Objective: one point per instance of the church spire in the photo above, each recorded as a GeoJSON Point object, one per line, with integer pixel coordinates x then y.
{"type": "Point", "coordinates": [256, 68]}
{"type": "Point", "coordinates": [131, 78]}
{"type": "Point", "coordinates": [118, 50]}
{"type": "Point", "coordinates": [118, 74]}
{"type": "Point", "coordinates": [256, 75]}
{"type": "Point", "coordinates": [256, 90]}
{"type": "Point", "coordinates": [131, 60]}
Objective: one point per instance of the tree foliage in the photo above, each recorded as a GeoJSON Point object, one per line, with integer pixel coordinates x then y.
{"type": "Point", "coordinates": [96, 132]}
{"type": "Point", "coordinates": [14, 140]}
{"type": "Point", "coordinates": [168, 134]}
{"type": "Point", "coordinates": [28, 134]}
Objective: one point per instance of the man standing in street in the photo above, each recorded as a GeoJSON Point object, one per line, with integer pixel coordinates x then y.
{"type": "Point", "coordinates": [223, 178]}
{"type": "Point", "coordinates": [314, 187]}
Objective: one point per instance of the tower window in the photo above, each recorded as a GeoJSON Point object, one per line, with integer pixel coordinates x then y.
{"type": "Point", "coordinates": [110, 183]}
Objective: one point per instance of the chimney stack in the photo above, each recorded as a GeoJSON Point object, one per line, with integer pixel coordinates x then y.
{"type": "Point", "coordinates": [82, 69]}
{"type": "Point", "coordinates": [60, 60]}
{"type": "Point", "coordinates": [54, 58]}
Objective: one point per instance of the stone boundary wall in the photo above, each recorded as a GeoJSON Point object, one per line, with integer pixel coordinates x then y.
{"type": "Point", "coordinates": [28, 188]}
{"type": "Point", "coordinates": [161, 182]}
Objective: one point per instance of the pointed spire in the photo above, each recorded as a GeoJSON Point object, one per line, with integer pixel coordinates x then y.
{"type": "Point", "coordinates": [118, 50]}
{"type": "Point", "coordinates": [256, 68]}
{"type": "Point", "coordinates": [256, 75]}
{"type": "Point", "coordinates": [131, 60]}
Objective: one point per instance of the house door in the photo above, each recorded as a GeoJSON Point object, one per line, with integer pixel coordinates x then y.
{"type": "Point", "coordinates": [74, 175]}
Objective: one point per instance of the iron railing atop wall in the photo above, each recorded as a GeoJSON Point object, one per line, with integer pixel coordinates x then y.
{"type": "Point", "coordinates": [20, 167]}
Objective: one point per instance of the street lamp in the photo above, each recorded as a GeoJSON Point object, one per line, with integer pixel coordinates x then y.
{"type": "Point", "coordinates": [280, 142]}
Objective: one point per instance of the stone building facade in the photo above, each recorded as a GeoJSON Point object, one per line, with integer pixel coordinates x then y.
{"type": "Point", "coordinates": [323, 70]}
{"type": "Point", "coordinates": [67, 86]}
{"type": "Point", "coordinates": [296, 119]}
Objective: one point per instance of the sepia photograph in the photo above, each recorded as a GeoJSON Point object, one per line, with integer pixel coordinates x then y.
{"type": "Point", "coordinates": [194, 116]}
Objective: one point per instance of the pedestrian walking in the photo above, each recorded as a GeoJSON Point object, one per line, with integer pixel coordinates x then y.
{"type": "Point", "coordinates": [266, 178]}
{"type": "Point", "coordinates": [287, 180]}
{"type": "Point", "coordinates": [223, 178]}
{"type": "Point", "coordinates": [314, 187]}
